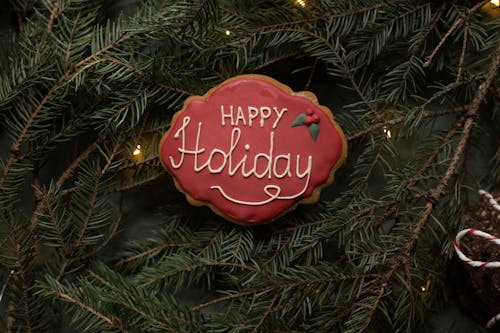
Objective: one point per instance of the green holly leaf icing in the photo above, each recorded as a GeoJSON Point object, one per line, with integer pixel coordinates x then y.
{"type": "Point", "coordinates": [314, 131]}
{"type": "Point", "coordinates": [299, 121]}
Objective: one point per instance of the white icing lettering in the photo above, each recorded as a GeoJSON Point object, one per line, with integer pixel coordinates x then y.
{"type": "Point", "coordinates": [234, 143]}
{"type": "Point", "coordinates": [240, 116]}
{"type": "Point", "coordinates": [237, 115]}
{"type": "Point", "coordinates": [185, 122]}
{"type": "Point", "coordinates": [197, 151]}
{"type": "Point", "coordinates": [286, 171]}
{"type": "Point", "coordinates": [210, 159]}
{"type": "Point", "coordinates": [253, 113]}
{"type": "Point", "coordinates": [279, 114]}
{"type": "Point", "coordinates": [218, 159]}
{"type": "Point", "coordinates": [226, 115]}
{"type": "Point", "coordinates": [267, 157]}
{"type": "Point", "coordinates": [264, 116]}
{"type": "Point", "coordinates": [271, 196]}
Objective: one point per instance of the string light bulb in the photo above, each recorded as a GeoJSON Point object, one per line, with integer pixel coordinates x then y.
{"type": "Point", "coordinates": [426, 287]}
{"type": "Point", "coordinates": [496, 3]}
{"type": "Point", "coordinates": [301, 3]}
{"type": "Point", "coordinates": [137, 150]}
{"type": "Point", "coordinates": [228, 32]}
{"type": "Point", "coordinates": [387, 131]}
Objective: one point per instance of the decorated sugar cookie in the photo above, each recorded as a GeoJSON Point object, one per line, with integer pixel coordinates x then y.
{"type": "Point", "coordinates": [252, 149]}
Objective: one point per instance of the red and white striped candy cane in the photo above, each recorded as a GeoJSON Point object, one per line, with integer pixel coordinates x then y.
{"type": "Point", "coordinates": [488, 237]}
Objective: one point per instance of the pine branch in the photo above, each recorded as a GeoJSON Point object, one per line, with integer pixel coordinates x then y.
{"type": "Point", "coordinates": [216, 235]}
{"type": "Point", "coordinates": [142, 182]}
{"type": "Point", "coordinates": [148, 252]}
{"type": "Point", "coordinates": [388, 123]}
{"type": "Point", "coordinates": [268, 311]}
{"type": "Point", "coordinates": [342, 265]}
{"type": "Point", "coordinates": [455, 24]}
{"type": "Point", "coordinates": [71, 36]}
{"type": "Point", "coordinates": [341, 61]}
{"type": "Point", "coordinates": [53, 16]}
{"type": "Point", "coordinates": [230, 297]}
{"type": "Point", "coordinates": [432, 156]}
{"type": "Point", "coordinates": [437, 192]}
{"type": "Point", "coordinates": [277, 60]}
{"type": "Point", "coordinates": [44, 195]}
{"type": "Point", "coordinates": [449, 88]}
{"type": "Point", "coordinates": [462, 55]}
{"type": "Point", "coordinates": [15, 149]}
{"type": "Point", "coordinates": [88, 215]}
{"type": "Point", "coordinates": [133, 306]}
{"type": "Point", "coordinates": [115, 322]}
{"type": "Point", "coordinates": [63, 178]}
{"type": "Point", "coordinates": [190, 268]}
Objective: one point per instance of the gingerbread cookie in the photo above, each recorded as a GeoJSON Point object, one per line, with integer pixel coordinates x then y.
{"type": "Point", "coordinates": [252, 149]}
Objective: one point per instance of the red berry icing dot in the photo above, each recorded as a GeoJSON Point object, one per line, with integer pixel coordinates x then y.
{"type": "Point", "coordinates": [309, 112]}
{"type": "Point", "coordinates": [308, 120]}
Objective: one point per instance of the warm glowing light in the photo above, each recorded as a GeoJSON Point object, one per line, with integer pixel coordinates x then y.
{"type": "Point", "coordinates": [301, 3]}
{"type": "Point", "coordinates": [495, 2]}
{"type": "Point", "coordinates": [426, 287]}
{"type": "Point", "coordinates": [228, 32]}
{"type": "Point", "coordinates": [137, 150]}
{"type": "Point", "coordinates": [387, 132]}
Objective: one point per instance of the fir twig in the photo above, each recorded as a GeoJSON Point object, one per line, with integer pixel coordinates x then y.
{"type": "Point", "coordinates": [455, 24]}
{"type": "Point", "coordinates": [392, 122]}
{"type": "Point", "coordinates": [152, 250]}
{"type": "Point", "coordinates": [437, 192]}
{"type": "Point", "coordinates": [115, 322]}
{"type": "Point", "coordinates": [462, 55]}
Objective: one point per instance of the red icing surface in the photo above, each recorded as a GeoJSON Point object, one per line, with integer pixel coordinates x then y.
{"type": "Point", "coordinates": [250, 199]}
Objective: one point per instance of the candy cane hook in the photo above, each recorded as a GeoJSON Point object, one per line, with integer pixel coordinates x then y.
{"type": "Point", "coordinates": [474, 263]}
